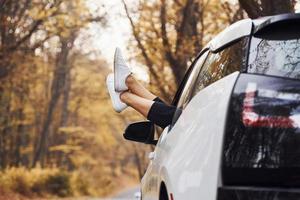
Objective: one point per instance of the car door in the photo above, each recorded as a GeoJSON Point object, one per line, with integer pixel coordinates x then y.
{"type": "Point", "coordinates": [151, 181]}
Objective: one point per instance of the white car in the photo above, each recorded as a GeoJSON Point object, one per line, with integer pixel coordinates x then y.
{"type": "Point", "coordinates": [236, 135]}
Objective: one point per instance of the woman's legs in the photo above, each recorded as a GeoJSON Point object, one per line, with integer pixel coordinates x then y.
{"type": "Point", "coordinates": [146, 103]}
{"type": "Point", "coordinates": [137, 96]}
{"type": "Point", "coordinates": [157, 112]}
{"type": "Point", "coordinates": [140, 104]}
{"type": "Point", "coordinates": [136, 88]}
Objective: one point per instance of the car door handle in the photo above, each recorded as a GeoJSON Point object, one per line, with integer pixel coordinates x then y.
{"type": "Point", "coordinates": [151, 155]}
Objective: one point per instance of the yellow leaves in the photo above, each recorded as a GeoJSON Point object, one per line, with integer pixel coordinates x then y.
{"type": "Point", "coordinates": [61, 19]}
{"type": "Point", "coordinates": [81, 158]}
{"type": "Point", "coordinates": [71, 130]}
{"type": "Point", "coordinates": [39, 12]}
{"type": "Point", "coordinates": [23, 180]}
{"type": "Point", "coordinates": [90, 140]}
{"type": "Point", "coordinates": [65, 148]}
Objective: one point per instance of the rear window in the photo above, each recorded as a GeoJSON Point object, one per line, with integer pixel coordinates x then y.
{"type": "Point", "coordinates": [276, 53]}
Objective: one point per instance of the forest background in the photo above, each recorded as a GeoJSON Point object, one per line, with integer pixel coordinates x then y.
{"type": "Point", "coordinates": [58, 133]}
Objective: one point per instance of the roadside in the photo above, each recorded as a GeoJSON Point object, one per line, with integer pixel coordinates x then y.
{"type": "Point", "coordinates": [127, 194]}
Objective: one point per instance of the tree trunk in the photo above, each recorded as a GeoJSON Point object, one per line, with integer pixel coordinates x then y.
{"type": "Point", "coordinates": [20, 133]}
{"type": "Point", "coordinates": [178, 65]}
{"type": "Point", "coordinates": [5, 101]}
{"type": "Point", "coordinates": [61, 138]}
{"type": "Point", "coordinates": [58, 84]}
{"type": "Point", "coordinates": [66, 96]}
{"type": "Point", "coordinates": [148, 61]}
{"type": "Point", "coordinates": [254, 9]}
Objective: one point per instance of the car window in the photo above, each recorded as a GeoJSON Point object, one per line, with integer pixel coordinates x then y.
{"type": "Point", "coordinates": [221, 64]}
{"type": "Point", "coordinates": [276, 53]}
{"type": "Point", "coordinates": [186, 92]}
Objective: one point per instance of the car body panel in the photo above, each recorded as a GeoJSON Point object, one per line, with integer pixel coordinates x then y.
{"type": "Point", "coordinates": [246, 27]}
{"type": "Point", "coordinates": [193, 144]}
{"type": "Point", "coordinates": [234, 32]}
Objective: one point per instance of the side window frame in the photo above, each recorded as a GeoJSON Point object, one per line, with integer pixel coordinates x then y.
{"type": "Point", "coordinates": [190, 79]}
{"type": "Point", "coordinates": [182, 85]}
{"type": "Point", "coordinates": [185, 96]}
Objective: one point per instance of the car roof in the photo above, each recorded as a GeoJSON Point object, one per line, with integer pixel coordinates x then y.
{"type": "Point", "coordinates": [247, 27]}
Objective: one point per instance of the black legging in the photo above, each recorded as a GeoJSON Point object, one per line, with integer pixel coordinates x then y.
{"type": "Point", "coordinates": [160, 113]}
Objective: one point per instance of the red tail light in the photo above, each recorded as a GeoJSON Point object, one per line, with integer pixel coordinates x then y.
{"type": "Point", "coordinates": [251, 118]}
{"type": "Point", "coordinates": [262, 137]}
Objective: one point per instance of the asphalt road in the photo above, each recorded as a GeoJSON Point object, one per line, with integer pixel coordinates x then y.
{"type": "Point", "coordinates": [127, 194]}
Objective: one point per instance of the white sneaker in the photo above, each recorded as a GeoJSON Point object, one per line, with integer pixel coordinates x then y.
{"type": "Point", "coordinates": [121, 71]}
{"type": "Point", "coordinates": [117, 104]}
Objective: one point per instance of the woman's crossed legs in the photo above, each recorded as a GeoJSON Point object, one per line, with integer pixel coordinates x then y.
{"type": "Point", "coordinates": [125, 90]}
{"type": "Point", "coordinates": [146, 103]}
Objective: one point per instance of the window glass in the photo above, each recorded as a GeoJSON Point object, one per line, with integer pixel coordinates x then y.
{"type": "Point", "coordinates": [220, 64]}
{"type": "Point", "coordinates": [275, 57]}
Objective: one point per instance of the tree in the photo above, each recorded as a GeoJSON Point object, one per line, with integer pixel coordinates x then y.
{"type": "Point", "coordinates": [256, 9]}
{"type": "Point", "coordinates": [169, 34]}
{"type": "Point", "coordinates": [58, 84]}
{"type": "Point", "coordinates": [19, 20]}
{"type": "Point", "coordinates": [59, 87]}
{"type": "Point", "coordinates": [55, 110]}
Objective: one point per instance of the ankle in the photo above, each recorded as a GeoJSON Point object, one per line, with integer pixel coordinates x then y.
{"type": "Point", "coordinates": [124, 97]}
{"type": "Point", "coordinates": [129, 80]}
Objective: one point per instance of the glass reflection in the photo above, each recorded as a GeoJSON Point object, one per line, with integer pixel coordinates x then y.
{"type": "Point", "coordinates": [275, 57]}
{"type": "Point", "coordinates": [268, 146]}
{"type": "Point", "coordinates": [222, 63]}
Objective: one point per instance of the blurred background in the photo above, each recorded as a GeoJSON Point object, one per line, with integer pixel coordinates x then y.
{"type": "Point", "coordinates": [59, 136]}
